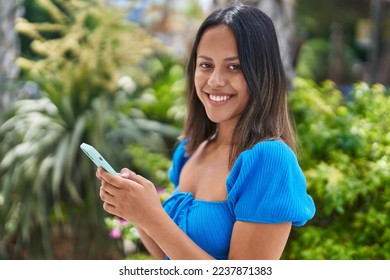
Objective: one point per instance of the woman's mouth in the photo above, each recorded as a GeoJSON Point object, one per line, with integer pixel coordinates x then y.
{"type": "Point", "coordinates": [219, 99]}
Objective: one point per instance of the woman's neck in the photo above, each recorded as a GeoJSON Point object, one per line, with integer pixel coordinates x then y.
{"type": "Point", "coordinates": [223, 135]}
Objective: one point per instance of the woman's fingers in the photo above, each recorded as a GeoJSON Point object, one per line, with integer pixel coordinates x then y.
{"type": "Point", "coordinates": [109, 208]}
{"type": "Point", "coordinates": [109, 188]}
{"type": "Point", "coordinates": [127, 173]}
{"type": "Point", "coordinates": [98, 174]}
{"type": "Point", "coordinates": [117, 181]}
{"type": "Point", "coordinates": [142, 181]}
{"type": "Point", "coordinates": [111, 179]}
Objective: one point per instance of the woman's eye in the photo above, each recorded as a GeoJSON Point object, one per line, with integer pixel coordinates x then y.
{"type": "Point", "coordinates": [234, 67]}
{"type": "Point", "coordinates": [205, 65]}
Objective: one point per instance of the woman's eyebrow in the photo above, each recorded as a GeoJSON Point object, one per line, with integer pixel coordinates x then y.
{"type": "Point", "coordinates": [227, 59]}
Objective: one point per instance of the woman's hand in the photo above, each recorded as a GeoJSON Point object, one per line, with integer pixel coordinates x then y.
{"type": "Point", "coordinates": [129, 196]}
{"type": "Point", "coordinates": [134, 198]}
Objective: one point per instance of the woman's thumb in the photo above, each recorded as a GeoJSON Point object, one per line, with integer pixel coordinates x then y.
{"type": "Point", "coordinates": [127, 173]}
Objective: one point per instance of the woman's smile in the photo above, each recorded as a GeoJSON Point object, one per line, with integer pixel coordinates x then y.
{"type": "Point", "coordinates": [219, 99]}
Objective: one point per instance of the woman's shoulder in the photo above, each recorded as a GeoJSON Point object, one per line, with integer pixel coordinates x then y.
{"type": "Point", "coordinates": [266, 158]}
{"type": "Point", "coordinates": [271, 146]}
{"type": "Point", "coordinates": [269, 152]}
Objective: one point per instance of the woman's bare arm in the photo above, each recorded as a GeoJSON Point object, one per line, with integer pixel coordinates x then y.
{"type": "Point", "coordinates": [150, 245]}
{"type": "Point", "coordinates": [258, 241]}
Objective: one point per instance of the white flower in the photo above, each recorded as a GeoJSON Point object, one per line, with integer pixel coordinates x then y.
{"type": "Point", "coordinates": [127, 84]}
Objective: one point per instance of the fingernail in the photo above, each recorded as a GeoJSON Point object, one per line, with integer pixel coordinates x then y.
{"type": "Point", "coordinates": [124, 174]}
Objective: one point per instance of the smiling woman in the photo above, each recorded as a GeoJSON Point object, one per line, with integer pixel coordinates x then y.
{"type": "Point", "coordinates": [238, 185]}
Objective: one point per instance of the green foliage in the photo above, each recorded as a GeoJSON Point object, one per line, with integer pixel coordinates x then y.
{"type": "Point", "coordinates": [153, 165]}
{"type": "Point", "coordinates": [163, 99]}
{"type": "Point", "coordinates": [150, 116]}
{"type": "Point", "coordinates": [44, 181]}
{"type": "Point", "coordinates": [314, 52]}
{"type": "Point", "coordinates": [345, 154]}
{"type": "Point", "coordinates": [89, 37]}
{"type": "Point", "coordinates": [48, 190]}
{"type": "Point", "coordinates": [155, 107]}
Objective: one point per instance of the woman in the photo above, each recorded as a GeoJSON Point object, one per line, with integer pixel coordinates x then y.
{"type": "Point", "coordinates": [238, 186]}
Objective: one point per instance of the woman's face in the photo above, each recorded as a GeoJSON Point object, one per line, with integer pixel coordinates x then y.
{"type": "Point", "coordinates": [219, 82]}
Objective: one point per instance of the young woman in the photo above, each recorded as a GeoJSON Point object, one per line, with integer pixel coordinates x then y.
{"type": "Point", "coordinates": [238, 186]}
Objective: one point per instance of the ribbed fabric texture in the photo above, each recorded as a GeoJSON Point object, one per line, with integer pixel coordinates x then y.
{"type": "Point", "coordinates": [265, 185]}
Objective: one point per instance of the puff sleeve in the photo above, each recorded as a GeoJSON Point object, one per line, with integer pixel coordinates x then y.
{"type": "Point", "coordinates": [267, 185]}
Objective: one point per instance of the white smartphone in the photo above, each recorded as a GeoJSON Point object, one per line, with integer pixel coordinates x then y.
{"type": "Point", "coordinates": [97, 158]}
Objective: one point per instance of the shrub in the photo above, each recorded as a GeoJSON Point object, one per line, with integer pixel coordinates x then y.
{"type": "Point", "coordinates": [345, 154]}
{"type": "Point", "coordinates": [49, 203]}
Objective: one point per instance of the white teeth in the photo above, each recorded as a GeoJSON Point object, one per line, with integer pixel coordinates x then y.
{"type": "Point", "coordinates": [218, 98]}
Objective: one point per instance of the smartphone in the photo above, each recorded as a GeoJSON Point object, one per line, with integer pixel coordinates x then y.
{"type": "Point", "coordinates": [97, 158]}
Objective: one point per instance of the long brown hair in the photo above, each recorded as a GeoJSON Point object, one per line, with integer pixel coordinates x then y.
{"type": "Point", "coordinates": [266, 115]}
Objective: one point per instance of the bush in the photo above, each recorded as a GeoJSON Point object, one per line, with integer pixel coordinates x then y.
{"type": "Point", "coordinates": [345, 154]}
{"type": "Point", "coordinates": [49, 203]}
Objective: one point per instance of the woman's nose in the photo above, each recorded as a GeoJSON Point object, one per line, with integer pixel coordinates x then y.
{"type": "Point", "coordinates": [217, 79]}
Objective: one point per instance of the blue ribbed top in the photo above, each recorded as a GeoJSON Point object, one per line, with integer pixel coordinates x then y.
{"type": "Point", "coordinates": [265, 185]}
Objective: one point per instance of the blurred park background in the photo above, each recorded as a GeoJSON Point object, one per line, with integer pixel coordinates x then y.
{"type": "Point", "coordinates": [111, 73]}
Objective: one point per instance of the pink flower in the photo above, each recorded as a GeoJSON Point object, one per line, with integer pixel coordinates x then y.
{"type": "Point", "coordinates": [115, 233]}
{"type": "Point", "coordinates": [160, 190]}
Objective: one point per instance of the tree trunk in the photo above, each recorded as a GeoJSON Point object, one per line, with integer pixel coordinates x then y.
{"type": "Point", "coordinates": [9, 49]}
{"type": "Point", "coordinates": [376, 18]}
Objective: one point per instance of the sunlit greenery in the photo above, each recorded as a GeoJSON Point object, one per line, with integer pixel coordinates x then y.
{"type": "Point", "coordinates": [345, 153]}
{"type": "Point", "coordinates": [85, 61]}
